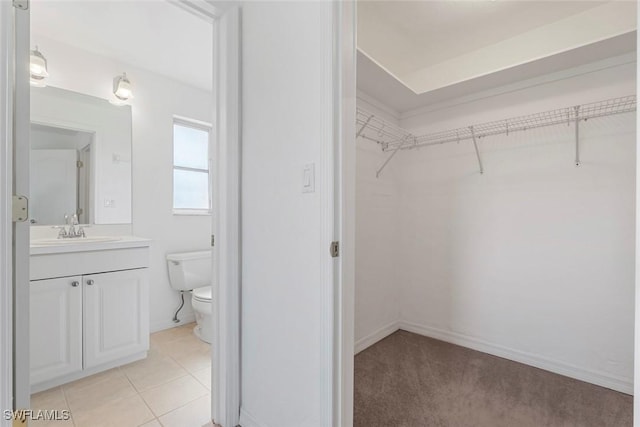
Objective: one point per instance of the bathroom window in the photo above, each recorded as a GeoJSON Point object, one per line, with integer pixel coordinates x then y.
{"type": "Point", "coordinates": [191, 192]}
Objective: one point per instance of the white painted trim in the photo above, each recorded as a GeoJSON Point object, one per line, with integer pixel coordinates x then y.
{"type": "Point", "coordinates": [225, 372]}
{"type": "Point", "coordinates": [374, 337]}
{"type": "Point", "coordinates": [185, 318]}
{"type": "Point", "coordinates": [636, 367]}
{"type": "Point", "coordinates": [6, 233]}
{"type": "Point", "coordinates": [249, 420]}
{"type": "Point", "coordinates": [593, 67]}
{"type": "Point", "coordinates": [192, 212]}
{"type": "Point", "coordinates": [21, 230]}
{"type": "Point", "coordinates": [201, 8]}
{"type": "Point", "coordinates": [604, 379]}
{"type": "Point", "coordinates": [368, 99]}
{"type": "Point", "coordinates": [326, 176]}
{"type": "Point", "coordinates": [344, 195]}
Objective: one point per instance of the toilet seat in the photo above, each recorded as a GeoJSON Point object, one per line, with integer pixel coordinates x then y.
{"type": "Point", "coordinates": [202, 294]}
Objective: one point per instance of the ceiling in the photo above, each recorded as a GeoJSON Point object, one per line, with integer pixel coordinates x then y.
{"type": "Point", "coordinates": [156, 36]}
{"type": "Point", "coordinates": [375, 82]}
{"type": "Point", "coordinates": [413, 53]}
{"type": "Point", "coordinates": [407, 36]}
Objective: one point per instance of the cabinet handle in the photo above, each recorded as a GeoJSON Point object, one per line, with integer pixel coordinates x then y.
{"type": "Point", "coordinates": [90, 282]}
{"type": "Point", "coordinates": [75, 283]}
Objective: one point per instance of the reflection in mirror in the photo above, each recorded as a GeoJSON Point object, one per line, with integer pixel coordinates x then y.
{"type": "Point", "coordinates": [80, 158]}
{"type": "Point", "coordinates": [60, 174]}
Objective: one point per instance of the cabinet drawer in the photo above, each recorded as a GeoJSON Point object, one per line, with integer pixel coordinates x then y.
{"type": "Point", "coordinates": [78, 263]}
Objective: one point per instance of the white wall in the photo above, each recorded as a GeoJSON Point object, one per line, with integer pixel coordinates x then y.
{"type": "Point", "coordinates": [287, 110]}
{"type": "Point", "coordinates": [534, 260]}
{"type": "Point", "coordinates": [156, 100]}
{"type": "Point", "coordinates": [377, 284]}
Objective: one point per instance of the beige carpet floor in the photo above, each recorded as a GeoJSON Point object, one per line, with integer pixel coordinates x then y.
{"type": "Point", "coordinates": [407, 380]}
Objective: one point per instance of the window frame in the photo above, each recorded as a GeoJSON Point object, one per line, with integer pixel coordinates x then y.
{"type": "Point", "coordinates": [199, 125]}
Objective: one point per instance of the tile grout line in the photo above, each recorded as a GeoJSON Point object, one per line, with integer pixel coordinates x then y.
{"type": "Point", "coordinates": [182, 406]}
{"type": "Point", "coordinates": [66, 401]}
{"type": "Point", "coordinates": [186, 372]}
{"type": "Point", "coordinates": [140, 396]}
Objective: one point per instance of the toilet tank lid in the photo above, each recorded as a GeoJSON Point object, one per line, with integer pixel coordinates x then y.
{"type": "Point", "coordinates": [184, 256]}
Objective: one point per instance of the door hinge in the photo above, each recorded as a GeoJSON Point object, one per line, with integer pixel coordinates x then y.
{"type": "Point", "coordinates": [79, 164]}
{"type": "Point", "coordinates": [21, 4]}
{"type": "Point", "coordinates": [20, 209]}
{"type": "Point", "coordinates": [213, 240]}
{"type": "Point", "coordinates": [334, 249]}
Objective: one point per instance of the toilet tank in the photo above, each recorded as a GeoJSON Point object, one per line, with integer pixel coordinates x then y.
{"type": "Point", "coordinates": [189, 270]}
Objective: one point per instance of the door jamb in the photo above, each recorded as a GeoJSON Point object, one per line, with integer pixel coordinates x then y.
{"type": "Point", "coordinates": [344, 194]}
{"type": "Point", "coordinates": [20, 186]}
{"type": "Point", "coordinates": [226, 219]}
{"type": "Point", "coordinates": [226, 21]}
{"type": "Point", "coordinates": [6, 191]}
{"type": "Point", "coordinates": [225, 356]}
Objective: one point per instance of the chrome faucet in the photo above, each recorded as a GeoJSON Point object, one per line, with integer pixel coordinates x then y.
{"type": "Point", "coordinates": [73, 232]}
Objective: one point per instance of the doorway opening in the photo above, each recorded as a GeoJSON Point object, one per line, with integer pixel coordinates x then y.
{"type": "Point", "coordinates": [485, 285]}
{"type": "Point", "coordinates": [109, 345]}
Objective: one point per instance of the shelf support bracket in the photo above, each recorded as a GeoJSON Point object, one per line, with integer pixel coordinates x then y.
{"type": "Point", "coordinates": [404, 141]}
{"type": "Point", "coordinates": [364, 126]}
{"type": "Point", "coordinates": [577, 109]}
{"type": "Point", "coordinates": [475, 144]}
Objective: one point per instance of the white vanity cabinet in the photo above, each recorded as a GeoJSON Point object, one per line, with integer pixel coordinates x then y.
{"type": "Point", "coordinates": [115, 316]}
{"type": "Point", "coordinates": [55, 328]}
{"type": "Point", "coordinates": [88, 309]}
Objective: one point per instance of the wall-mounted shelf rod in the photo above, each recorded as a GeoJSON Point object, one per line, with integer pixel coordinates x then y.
{"type": "Point", "coordinates": [374, 128]}
{"type": "Point", "coordinates": [393, 138]}
{"type": "Point", "coordinates": [532, 121]}
{"type": "Point", "coordinates": [475, 145]}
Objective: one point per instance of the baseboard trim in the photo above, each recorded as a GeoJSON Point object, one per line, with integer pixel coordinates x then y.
{"type": "Point", "coordinates": [168, 324]}
{"type": "Point", "coordinates": [248, 420]}
{"type": "Point", "coordinates": [376, 336]}
{"type": "Point", "coordinates": [623, 385]}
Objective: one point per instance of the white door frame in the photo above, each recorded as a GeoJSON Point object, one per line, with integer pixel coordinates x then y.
{"type": "Point", "coordinates": [6, 191]}
{"type": "Point", "coordinates": [226, 368]}
{"type": "Point", "coordinates": [225, 355]}
{"type": "Point", "coordinates": [345, 210]}
{"type": "Point", "coordinates": [20, 186]}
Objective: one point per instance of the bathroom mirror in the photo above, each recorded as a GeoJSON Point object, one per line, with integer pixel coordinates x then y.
{"type": "Point", "coordinates": [80, 158]}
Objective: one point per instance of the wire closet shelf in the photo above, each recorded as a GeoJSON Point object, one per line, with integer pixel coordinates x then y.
{"type": "Point", "coordinates": [392, 137]}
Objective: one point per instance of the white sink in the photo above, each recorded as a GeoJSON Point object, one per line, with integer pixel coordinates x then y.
{"type": "Point", "coordinates": [73, 241]}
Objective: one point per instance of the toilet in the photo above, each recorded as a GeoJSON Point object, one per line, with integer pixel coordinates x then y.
{"type": "Point", "coordinates": [191, 272]}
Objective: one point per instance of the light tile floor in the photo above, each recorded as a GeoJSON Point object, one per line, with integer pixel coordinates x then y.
{"type": "Point", "coordinates": [170, 388]}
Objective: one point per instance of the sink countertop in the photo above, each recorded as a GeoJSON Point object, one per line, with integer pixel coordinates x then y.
{"type": "Point", "coordinates": [123, 242]}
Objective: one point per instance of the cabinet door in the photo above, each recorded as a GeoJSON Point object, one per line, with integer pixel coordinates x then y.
{"type": "Point", "coordinates": [56, 327]}
{"type": "Point", "coordinates": [116, 315]}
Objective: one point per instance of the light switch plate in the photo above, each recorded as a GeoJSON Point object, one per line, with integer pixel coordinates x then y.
{"type": "Point", "coordinates": [309, 178]}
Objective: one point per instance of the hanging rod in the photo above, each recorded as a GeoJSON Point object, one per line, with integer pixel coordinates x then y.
{"type": "Point", "coordinates": [393, 138]}
{"type": "Point", "coordinates": [378, 130]}
{"type": "Point", "coordinates": [565, 115]}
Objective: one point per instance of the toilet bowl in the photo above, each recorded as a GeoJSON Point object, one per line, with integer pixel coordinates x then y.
{"type": "Point", "coordinates": [191, 272]}
{"type": "Point", "coordinates": [201, 303]}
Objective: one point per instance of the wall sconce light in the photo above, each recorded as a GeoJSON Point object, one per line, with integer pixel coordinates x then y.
{"type": "Point", "coordinates": [122, 89]}
{"type": "Point", "coordinates": [38, 68]}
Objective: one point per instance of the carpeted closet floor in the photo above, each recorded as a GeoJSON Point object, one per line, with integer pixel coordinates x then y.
{"type": "Point", "coordinates": [412, 381]}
